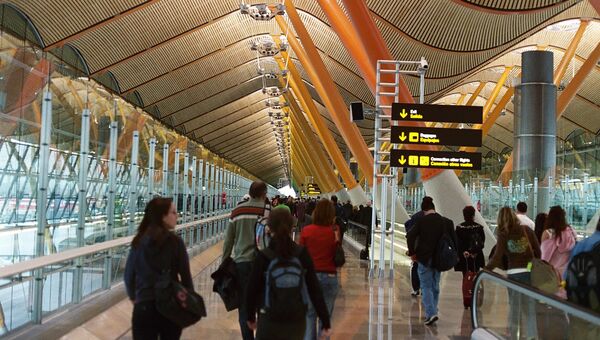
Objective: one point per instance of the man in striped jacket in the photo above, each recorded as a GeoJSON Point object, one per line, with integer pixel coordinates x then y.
{"type": "Point", "coordinates": [241, 239]}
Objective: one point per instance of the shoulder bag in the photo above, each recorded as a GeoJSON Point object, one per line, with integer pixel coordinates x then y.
{"type": "Point", "coordinates": [543, 275]}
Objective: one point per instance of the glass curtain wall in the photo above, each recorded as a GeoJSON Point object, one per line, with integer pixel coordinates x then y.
{"type": "Point", "coordinates": [56, 128]}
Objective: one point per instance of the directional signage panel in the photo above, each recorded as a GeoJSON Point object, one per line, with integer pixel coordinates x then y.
{"type": "Point", "coordinates": [436, 159]}
{"type": "Point", "coordinates": [435, 136]}
{"type": "Point", "coordinates": [437, 113]}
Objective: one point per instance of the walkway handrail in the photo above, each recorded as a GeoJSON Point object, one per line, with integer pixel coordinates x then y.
{"type": "Point", "coordinates": [529, 291]}
{"type": "Point", "coordinates": [43, 261]}
{"type": "Point", "coordinates": [362, 226]}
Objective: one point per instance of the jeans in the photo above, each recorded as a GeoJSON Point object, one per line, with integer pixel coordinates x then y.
{"type": "Point", "coordinates": [148, 324]}
{"type": "Point", "coordinates": [414, 277]}
{"type": "Point", "coordinates": [243, 273]}
{"type": "Point", "coordinates": [518, 313]}
{"type": "Point", "coordinates": [330, 287]}
{"type": "Point", "coordinates": [430, 289]}
{"type": "Point", "coordinates": [270, 330]}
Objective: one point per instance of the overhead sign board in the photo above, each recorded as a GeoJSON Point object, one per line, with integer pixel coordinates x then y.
{"type": "Point", "coordinates": [435, 136]}
{"type": "Point", "coordinates": [437, 113]}
{"type": "Point", "coordinates": [436, 159]}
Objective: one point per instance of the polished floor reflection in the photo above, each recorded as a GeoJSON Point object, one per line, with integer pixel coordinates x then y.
{"type": "Point", "coordinates": [365, 309]}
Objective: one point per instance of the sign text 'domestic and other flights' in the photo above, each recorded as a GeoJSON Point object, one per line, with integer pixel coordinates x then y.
{"type": "Point", "coordinates": [435, 136]}
{"type": "Point", "coordinates": [436, 159]}
{"type": "Point", "coordinates": [437, 113]}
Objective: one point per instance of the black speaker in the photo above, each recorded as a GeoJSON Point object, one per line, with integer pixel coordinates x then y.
{"type": "Point", "coordinates": [356, 111]}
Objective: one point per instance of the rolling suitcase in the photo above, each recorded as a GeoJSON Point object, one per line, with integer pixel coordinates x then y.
{"type": "Point", "coordinates": [467, 284]}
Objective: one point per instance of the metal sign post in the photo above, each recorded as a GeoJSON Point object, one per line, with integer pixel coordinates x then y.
{"type": "Point", "coordinates": [387, 89]}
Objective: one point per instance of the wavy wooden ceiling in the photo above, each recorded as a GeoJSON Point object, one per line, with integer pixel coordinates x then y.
{"type": "Point", "coordinates": [190, 64]}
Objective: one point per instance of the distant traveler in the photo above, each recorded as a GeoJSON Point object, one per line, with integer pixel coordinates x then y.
{"type": "Point", "coordinates": [240, 238]}
{"type": "Point", "coordinates": [471, 239]}
{"type": "Point", "coordinates": [522, 215]}
{"type": "Point", "coordinates": [423, 240]}
{"type": "Point", "coordinates": [557, 240]}
{"type": "Point", "coordinates": [283, 279]}
{"type": "Point", "coordinates": [414, 268]}
{"type": "Point", "coordinates": [153, 243]}
{"type": "Point", "coordinates": [321, 239]}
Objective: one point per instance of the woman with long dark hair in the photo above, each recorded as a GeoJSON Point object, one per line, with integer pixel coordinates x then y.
{"type": "Point", "coordinates": [471, 239]}
{"type": "Point", "coordinates": [558, 239]}
{"type": "Point", "coordinates": [283, 279]}
{"type": "Point", "coordinates": [154, 249]}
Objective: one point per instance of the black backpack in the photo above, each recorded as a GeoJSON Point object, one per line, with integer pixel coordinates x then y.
{"type": "Point", "coordinates": [286, 297]}
{"type": "Point", "coordinates": [446, 254]}
{"type": "Point", "coordinates": [583, 279]}
{"type": "Point", "coordinates": [175, 302]}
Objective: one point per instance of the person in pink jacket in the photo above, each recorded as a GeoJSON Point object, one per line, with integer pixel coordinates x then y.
{"type": "Point", "coordinates": [558, 240]}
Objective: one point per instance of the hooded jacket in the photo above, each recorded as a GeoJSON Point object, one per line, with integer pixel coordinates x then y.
{"type": "Point", "coordinates": [557, 252]}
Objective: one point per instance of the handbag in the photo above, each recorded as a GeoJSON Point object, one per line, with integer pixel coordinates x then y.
{"type": "Point", "coordinates": [339, 258]}
{"type": "Point", "coordinates": [175, 302]}
{"type": "Point", "coordinates": [543, 275]}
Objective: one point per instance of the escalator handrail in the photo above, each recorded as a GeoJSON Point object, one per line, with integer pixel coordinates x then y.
{"type": "Point", "coordinates": [536, 294]}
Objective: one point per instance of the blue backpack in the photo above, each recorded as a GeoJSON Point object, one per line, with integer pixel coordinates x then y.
{"type": "Point", "coordinates": [286, 296]}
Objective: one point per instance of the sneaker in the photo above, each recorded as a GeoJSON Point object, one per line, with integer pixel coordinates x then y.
{"type": "Point", "coordinates": [431, 320]}
{"type": "Point", "coordinates": [415, 293]}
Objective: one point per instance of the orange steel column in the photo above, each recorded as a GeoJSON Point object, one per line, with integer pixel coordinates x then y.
{"type": "Point", "coordinates": [327, 90]}
{"type": "Point", "coordinates": [443, 185]}
{"type": "Point", "coordinates": [320, 159]}
{"type": "Point", "coordinates": [374, 49]}
{"type": "Point", "coordinates": [318, 122]}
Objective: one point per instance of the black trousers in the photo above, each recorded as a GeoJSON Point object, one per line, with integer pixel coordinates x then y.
{"type": "Point", "coordinates": [243, 270]}
{"type": "Point", "coordinates": [149, 324]}
{"type": "Point", "coordinates": [414, 276]}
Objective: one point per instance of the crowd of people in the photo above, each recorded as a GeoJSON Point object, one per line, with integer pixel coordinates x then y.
{"type": "Point", "coordinates": [287, 289]}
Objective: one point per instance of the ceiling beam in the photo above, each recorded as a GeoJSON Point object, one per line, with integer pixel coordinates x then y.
{"type": "Point", "coordinates": [162, 43]}
{"type": "Point", "coordinates": [100, 24]}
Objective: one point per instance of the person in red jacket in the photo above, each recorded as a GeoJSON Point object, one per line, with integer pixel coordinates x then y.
{"type": "Point", "coordinates": [320, 239]}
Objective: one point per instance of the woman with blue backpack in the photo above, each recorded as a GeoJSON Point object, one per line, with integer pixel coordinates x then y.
{"type": "Point", "coordinates": [282, 281]}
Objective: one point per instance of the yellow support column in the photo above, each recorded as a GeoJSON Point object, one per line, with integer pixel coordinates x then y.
{"type": "Point", "coordinates": [310, 168]}
{"type": "Point", "coordinates": [303, 130]}
{"type": "Point", "coordinates": [559, 73]}
{"type": "Point", "coordinates": [327, 90]}
{"type": "Point", "coordinates": [322, 172]}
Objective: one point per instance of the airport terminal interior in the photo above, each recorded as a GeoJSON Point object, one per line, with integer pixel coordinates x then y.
{"type": "Point", "coordinates": [384, 104]}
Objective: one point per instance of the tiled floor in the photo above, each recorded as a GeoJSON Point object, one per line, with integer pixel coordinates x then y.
{"type": "Point", "coordinates": [362, 309]}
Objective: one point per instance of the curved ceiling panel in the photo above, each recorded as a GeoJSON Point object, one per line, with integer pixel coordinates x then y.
{"type": "Point", "coordinates": [523, 5]}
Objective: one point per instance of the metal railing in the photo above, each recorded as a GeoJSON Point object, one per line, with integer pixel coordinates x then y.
{"type": "Point", "coordinates": [101, 264]}
{"type": "Point", "coordinates": [506, 309]}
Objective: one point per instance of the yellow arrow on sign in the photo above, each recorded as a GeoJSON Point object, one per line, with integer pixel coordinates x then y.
{"type": "Point", "coordinates": [403, 114]}
{"type": "Point", "coordinates": [402, 137]}
{"type": "Point", "coordinates": [402, 160]}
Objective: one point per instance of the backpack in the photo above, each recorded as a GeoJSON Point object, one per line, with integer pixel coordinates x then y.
{"type": "Point", "coordinates": [583, 281]}
{"type": "Point", "coordinates": [446, 255]}
{"type": "Point", "coordinates": [286, 297]}
{"type": "Point", "coordinates": [261, 231]}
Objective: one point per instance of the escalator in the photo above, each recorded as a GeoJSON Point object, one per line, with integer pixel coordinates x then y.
{"type": "Point", "coordinates": [505, 309]}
